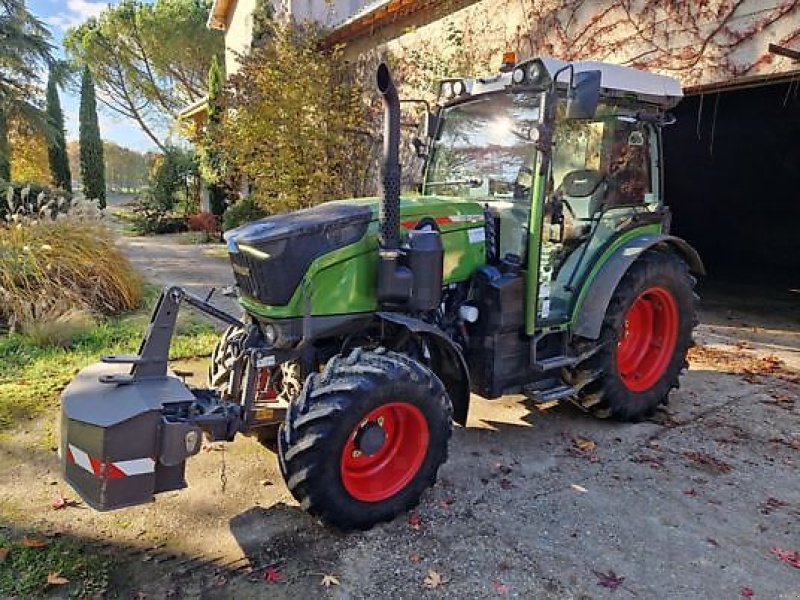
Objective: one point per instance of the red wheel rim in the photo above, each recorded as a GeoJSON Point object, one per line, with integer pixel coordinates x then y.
{"type": "Point", "coordinates": [648, 338]}
{"type": "Point", "coordinates": [376, 476]}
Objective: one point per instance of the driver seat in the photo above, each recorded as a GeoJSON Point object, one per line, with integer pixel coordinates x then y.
{"type": "Point", "coordinates": [585, 192]}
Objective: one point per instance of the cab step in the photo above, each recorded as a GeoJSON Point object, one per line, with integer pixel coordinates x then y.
{"type": "Point", "coordinates": [554, 394]}
{"type": "Point", "coordinates": [554, 362]}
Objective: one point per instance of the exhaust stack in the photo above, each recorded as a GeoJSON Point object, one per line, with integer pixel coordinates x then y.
{"type": "Point", "coordinates": [409, 276]}
{"type": "Point", "coordinates": [394, 279]}
{"type": "Point", "coordinates": [389, 212]}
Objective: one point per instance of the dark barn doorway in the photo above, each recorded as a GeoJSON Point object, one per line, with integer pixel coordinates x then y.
{"type": "Point", "coordinates": [732, 181]}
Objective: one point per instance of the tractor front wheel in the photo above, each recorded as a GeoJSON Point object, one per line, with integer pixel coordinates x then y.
{"type": "Point", "coordinates": [646, 334]}
{"type": "Point", "coordinates": [365, 438]}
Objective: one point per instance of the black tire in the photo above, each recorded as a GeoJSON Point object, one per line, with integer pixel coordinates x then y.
{"type": "Point", "coordinates": [221, 369]}
{"type": "Point", "coordinates": [609, 395]}
{"type": "Point", "coordinates": [332, 406]}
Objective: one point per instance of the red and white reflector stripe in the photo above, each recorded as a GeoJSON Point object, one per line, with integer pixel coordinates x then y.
{"type": "Point", "coordinates": [112, 470]}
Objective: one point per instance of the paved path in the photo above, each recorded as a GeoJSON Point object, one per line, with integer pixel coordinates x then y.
{"type": "Point", "coordinates": [163, 260]}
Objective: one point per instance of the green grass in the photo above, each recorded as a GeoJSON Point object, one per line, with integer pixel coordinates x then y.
{"type": "Point", "coordinates": [32, 376]}
{"type": "Point", "coordinates": [24, 571]}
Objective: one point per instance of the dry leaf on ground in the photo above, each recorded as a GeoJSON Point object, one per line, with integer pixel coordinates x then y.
{"type": "Point", "coordinates": [414, 521]}
{"type": "Point", "coordinates": [30, 542]}
{"type": "Point", "coordinates": [3, 553]}
{"type": "Point", "coordinates": [584, 444]}
{"type": "Point", "coordinates": [329, 580]}
{"type": "Point", "coordinates": [608, 580]}
{"type": "Point", "coordinates": [788, 556]}
{"type": "Point", "coordinates": [434, 579]}
{"type": "Point", "coordinates": [56, 579]}
{"type": "Point", "coordinates": [272, 575]}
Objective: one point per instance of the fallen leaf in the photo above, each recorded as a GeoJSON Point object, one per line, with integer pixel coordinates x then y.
{"type": "Point", "coordinates": [504, 469]}
{"type": "Point", "coordinates": [772, 504]}
{"type": "Point", "coordinates": [446, 502]}
{"type": "Point", "coordinates": [710, 463]}
{"type": "Point", "coordinates": [434, 579]}
{"type": "Point", "coordinates": [584, 444]}
{"type": "Point", "coordinates": [690, 492]}
{"type": "Point", "coordinates": [61, 501]}
{"type": "Point", "coordinates": [789, 557]}
{"type": "Point", "coordinates": [29, 542]}
{"type": "Point", "coordinates": [56, 579]}
{"type": "Point", "coordinates": [608, 580]}
{"type": "Point", "coordinates": [414, 521]}
{"type": "Point", "coordinates": [505, 484]}
{"type": "Point", "coordinates": [329, 580]}
{"type": "Point", "coordinates": [500, 587]}
{"type": "Point", "coordinates": [415, 558]}
{"type": "Point", "coordinates": [747, 592]}
{"type": "Point", "coordinates": [272, 575]}
{"type": "Point", "coordinates": [579, 488]}
{"type": "Point", "coordinates": [3, 553]}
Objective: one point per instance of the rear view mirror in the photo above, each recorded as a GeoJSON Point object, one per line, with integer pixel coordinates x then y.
{"type": "Point", "coordinates": [583, 95]}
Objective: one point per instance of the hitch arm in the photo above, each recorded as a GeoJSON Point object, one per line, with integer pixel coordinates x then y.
{"type": "Point", "coordinates": [151, 360]}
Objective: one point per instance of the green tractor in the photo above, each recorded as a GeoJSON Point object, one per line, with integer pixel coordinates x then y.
{"type": "Point", "coordinates": [535, 259]}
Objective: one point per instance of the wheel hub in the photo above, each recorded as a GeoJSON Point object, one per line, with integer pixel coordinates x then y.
{"type": "Point", "coordinates": [370, 438]}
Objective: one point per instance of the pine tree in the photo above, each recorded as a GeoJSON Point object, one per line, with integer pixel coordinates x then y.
{"type": "Point", "coordinates": [56, 142]}
{"type": "Point", "coordinates": [91, 146]}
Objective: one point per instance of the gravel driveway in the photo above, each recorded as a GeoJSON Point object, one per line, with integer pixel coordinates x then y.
{"type": "Point", "coordinates": [701, 502]}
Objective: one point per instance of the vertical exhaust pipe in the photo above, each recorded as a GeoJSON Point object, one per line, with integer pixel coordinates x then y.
{"type": "Point", "coordinates": [394, 279]}
{"type": "Point", "coordinates": [389, 211]}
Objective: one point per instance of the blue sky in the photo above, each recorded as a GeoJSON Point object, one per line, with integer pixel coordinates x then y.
{"type": "Point", "coordinates": [60, 15]}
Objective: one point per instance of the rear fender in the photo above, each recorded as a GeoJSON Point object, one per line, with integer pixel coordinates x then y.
{"type": "Point", "coordinates": [446, 360]}
{"type": "Point", "coordinates": [591, 311]}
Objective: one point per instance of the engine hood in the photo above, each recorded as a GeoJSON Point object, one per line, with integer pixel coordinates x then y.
{"type": "Point", "coordinates": [299, 237]}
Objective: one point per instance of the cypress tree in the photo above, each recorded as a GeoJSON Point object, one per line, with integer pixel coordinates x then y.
{"type": "Point", "coordinates": [56, 142]}
{"type": "Point", "coordinates": [5, 149]}
{"type": "Point", "coordinates": [211, 159]}
{"type": "Point", "coordinates": [91, 146]}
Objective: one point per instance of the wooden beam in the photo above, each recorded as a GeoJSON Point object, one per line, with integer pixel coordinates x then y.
{"type": "Point", "coordinates": [784, 51]}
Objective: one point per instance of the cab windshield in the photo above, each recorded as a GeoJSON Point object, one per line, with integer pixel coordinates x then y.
{"type": "Point", "coordinates": [485, 148]}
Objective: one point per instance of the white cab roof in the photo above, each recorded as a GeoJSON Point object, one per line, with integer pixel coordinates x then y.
{"type": "Point", "coordinates": [650, 87]}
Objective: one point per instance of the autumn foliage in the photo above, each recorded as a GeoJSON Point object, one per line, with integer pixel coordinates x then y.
{"type": "Point", "coordinates": [295, 124]}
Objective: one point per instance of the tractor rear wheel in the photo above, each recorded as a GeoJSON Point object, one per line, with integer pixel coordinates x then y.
{"type": "Point", "coordinates": [647, 331]}
{"type": "Point", "coordinates": [365, 438]}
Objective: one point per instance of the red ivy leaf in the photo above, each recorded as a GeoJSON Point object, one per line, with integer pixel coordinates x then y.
{"type": "Point", "coordinates": [608, 580]}
{"type": "Point", "coordinates": [789, 557]}
{"type": "Point", "coordinates": [272, 575]}
{"type": "Point", "coordinates": [500, 587]}
{"type": "Point", "coordinates": [747, 592]}
{"type": "Point", "coordinates": [414, 521]}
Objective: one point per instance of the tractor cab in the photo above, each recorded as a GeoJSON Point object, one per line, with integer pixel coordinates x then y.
{"type": "Point", "coordinates": [563, 156]}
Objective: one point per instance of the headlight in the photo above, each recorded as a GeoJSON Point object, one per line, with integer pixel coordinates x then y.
{"type": "Point", "coordinates": [459, 88]}
{"type": "Point", "coordinates": [518, 76]}
{"type": "Point", "coordinates": [447, 89]}
{"type": "Point", "coordinates": [270, 334]}
{"type": "Point", "coordinates": [534, 70]}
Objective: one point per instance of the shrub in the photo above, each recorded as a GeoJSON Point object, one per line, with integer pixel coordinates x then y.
{"type": "Point", "coordinates": [244, 211]}
{"type": "Point", "coordinates": [296, 128]}
{"type": "Point", "coordinates": [52, 267]}
{"type": "Point", "coordinates": [25, 201]}
{"type": "Point", "coordinates": [206, 222]}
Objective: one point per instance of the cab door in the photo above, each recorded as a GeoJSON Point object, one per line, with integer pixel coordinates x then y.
{"type": "Point", "coordinates": [600, 176]}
